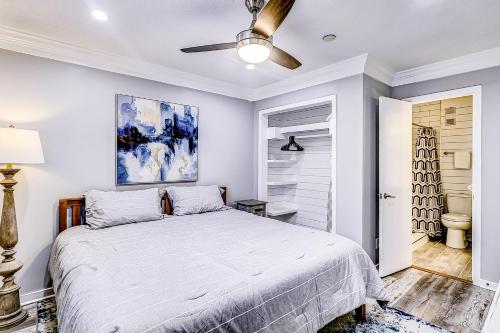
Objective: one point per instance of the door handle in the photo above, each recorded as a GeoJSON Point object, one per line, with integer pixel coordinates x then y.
{"type": "Point", "coordinates": [388, 196]}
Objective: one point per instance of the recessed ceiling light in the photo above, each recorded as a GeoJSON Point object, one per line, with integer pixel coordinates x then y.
{"type": "Point", "coordinates": [250, 66]}
{"type": "Point", "coordinates": [100, 16]}
{"type": "Point", "coordinates": [329, 38]}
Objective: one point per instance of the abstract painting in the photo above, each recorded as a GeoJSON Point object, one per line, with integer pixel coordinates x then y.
{"type": "Point", "coordinates": [156, 141]}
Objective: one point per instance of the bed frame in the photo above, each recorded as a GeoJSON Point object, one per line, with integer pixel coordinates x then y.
{"type": "Point", "coordinates": [72, 210]}
{"type": "Point", "coordinates": [72, 214]}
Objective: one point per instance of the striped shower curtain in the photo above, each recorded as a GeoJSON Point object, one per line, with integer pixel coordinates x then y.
{"type": "Point", "coordinates": [427, 198]}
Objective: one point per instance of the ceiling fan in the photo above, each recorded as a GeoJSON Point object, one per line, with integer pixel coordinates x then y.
{"type": "Point", "coordinates": [255, 45]}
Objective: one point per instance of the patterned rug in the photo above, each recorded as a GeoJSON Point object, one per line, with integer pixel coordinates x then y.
{"type": "Point", "coordinates": [43, 320]}
{"type": "Point", "coordinates": [379, 320]}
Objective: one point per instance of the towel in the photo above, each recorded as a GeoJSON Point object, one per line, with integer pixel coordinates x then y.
{"type": "Point", "coordinates": [462, 160]}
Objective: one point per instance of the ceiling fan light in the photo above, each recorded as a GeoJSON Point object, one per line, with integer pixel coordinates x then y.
{"type": "Point", "coordinates": [253, 48]}
{"type": "Point", "coordinates": [254, 53]}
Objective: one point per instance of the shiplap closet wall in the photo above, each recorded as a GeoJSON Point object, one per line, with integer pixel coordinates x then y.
{"type": "Point", "coordinates": [298, 185]}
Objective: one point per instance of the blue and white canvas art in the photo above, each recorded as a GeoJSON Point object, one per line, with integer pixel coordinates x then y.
{"type": "Point", "coordinates": [156, 141]}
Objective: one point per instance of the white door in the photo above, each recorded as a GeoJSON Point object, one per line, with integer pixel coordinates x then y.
{"type": "Point", "coordinates": [395, 166]}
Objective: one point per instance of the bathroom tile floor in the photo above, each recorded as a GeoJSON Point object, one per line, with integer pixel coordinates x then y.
{"type": "Point", "coordinates": [437, 257]}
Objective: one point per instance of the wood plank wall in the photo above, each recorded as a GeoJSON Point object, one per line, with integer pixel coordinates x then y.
{"type": "Point", "coordinates": [456, 138]}
{"type": "Point", "coordinates": [451, 138]}
{"type": "Point", "coordinates": [312, 170]}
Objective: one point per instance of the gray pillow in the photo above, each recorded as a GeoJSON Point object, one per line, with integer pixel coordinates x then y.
{"type": "Point", "coordinates": [110, 208]}
{"type": "Point", "coordinates": [195, 199]}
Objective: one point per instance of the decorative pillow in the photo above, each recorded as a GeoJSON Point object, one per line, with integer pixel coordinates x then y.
{"type": "Point", "coordinates": [195, 199]}
{"type": "Point", "coordinates": [110, 208]}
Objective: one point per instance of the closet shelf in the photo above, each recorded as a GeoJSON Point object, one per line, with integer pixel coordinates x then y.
{"type": "Point", "coordinates": [282, 183]}
{"type": "Point", "coordinates": [280, 209]}
{"type": "Point", "coordinates": [306, 127]}
{"type": "Point", "coordinates": [290, 161]}
{"type": "Point", "coordinates": [277, 133]}
{"type": "Point", "coordinates": [313, 136]}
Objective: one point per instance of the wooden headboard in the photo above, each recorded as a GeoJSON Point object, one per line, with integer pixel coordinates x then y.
{"type": "Point", "coordinates": [72, 210]}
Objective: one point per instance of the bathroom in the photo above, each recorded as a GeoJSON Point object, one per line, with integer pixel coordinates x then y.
{"type": "Point", "coordinates": [441, 187]}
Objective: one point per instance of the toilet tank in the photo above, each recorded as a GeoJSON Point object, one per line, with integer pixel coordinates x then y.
{"type": "Point", "coordinates": [459, 203]}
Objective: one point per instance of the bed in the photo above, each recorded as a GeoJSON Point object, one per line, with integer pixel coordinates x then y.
{"type": "Point", "coordinates": [225, 271]}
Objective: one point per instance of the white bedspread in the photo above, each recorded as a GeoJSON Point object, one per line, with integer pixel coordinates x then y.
{"type": "Point", "coordinates": [227, 271]}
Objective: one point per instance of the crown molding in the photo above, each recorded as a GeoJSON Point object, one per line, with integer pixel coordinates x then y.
{"type": "Point", "coordinates": [19, 41]}
{"type": "Point", "coordinates": [468, 63]}
{"type": "Point", "coordinates": [379, 71]}
{"type": "Point", "coordinates": [22, 42]}
{"type": "Point", "coordinates": [339, 70]}
{"type": "Point", "coordinates": [36, 45]}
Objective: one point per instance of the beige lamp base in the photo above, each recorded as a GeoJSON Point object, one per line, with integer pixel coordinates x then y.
{"type": "Point", "coordinates": [13, 321]}
{"type": "Point", "coordinates": [11, 312]}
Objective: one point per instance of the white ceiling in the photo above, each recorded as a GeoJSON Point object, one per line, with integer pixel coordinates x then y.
{"type": "Point", "coordinates": [401, 34]}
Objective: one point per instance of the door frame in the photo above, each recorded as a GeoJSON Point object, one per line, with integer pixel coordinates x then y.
{"type": "Point", "coordinates": [475, 92]}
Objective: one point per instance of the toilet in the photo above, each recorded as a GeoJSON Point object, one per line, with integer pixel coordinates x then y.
{"type": "Point", "coordinates": [458, 219]}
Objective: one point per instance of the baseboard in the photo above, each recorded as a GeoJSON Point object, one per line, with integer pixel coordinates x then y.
{"type": "Point", "coordinates": [36, 296]}
{"type": "Point", "coordinates": [486, 284]}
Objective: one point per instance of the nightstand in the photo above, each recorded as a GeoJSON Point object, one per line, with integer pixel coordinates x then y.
{"type": "Point", "coordinates": [252, 206]}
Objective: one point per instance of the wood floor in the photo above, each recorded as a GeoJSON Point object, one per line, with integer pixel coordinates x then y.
{"type": "Point", "coordinates": [455, 305]}
{"type": "Point", "coordinates": [438, 257]}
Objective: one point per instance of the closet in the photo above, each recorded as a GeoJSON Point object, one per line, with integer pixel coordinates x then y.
{"type": "Point", "coordinates": [296, 162]}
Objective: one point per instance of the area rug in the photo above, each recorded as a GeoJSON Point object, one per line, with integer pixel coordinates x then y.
{"type": "Point", "coordinates": [378, 320]}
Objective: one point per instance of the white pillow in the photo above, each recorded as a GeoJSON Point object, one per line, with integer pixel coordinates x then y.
{"type": "Point", "coordinates": [107, 209]}
{"type": "Point", "coordinates": [195, 199]}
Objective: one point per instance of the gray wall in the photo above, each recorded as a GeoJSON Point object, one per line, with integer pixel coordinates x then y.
{"type": "Point", "coordinates": [350, 113]}
{"type": "Point", "coordinates": [372, 90]}
{"type": "Point", "coordinates": [73, 107]}
{"type": "Point", "coordinates": [489, 79]}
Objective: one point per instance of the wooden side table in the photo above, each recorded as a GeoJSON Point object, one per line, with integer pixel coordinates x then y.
{"type": "Point", "coordinates": [252, 206]}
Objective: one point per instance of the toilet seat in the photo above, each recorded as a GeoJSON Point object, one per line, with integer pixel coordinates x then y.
{"type": "Point", "coordinates": [454, 217]}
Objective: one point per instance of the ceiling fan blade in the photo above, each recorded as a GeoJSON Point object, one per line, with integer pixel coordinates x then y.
{"type": "Point", "coordinates": [284, 59]}
{"type": "Point", "coordinates": [212, 47]}
{"type": "Point", "coordinates": [271, 16]}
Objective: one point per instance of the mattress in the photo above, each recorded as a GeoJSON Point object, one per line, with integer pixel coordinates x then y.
{"type": "Point", "coordinates": [226, 271]}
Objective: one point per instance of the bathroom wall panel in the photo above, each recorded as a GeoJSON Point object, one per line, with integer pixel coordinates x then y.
{"type": "Point", "coordinates": [456, 138]}
{"type": "Point", "coordinates": [426, 114]}
{"type": "Point", "coordinates": [451, 138]}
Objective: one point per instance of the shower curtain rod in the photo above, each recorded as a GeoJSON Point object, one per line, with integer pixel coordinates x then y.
{"type": "Point", "coordinates": [418, 125]}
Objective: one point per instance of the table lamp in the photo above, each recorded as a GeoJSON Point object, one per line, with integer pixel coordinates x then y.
{"type": "Point", "coordinates": [24, 147]}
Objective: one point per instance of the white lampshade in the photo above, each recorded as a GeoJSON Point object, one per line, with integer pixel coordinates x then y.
{"type": "Point", "coordinates": [20, 146]}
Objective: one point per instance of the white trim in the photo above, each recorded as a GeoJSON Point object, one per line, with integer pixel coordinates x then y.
{"type": "Point", "coordinates": [486, 284]}
{"type": "Point", "coordinates": [339, 70]}
{"type": "Point", "coordinates": [468, 63]}
{"type": "Point", "coordinates": [475, 91]}
{"type": "Point", "coordinates": [492, 321]}
{"type": "Point", "coordinates": [378, 71]}
{"type": "Point", "coordinates": [333, 179]}
{"type": "Point", "coordinates": [36, 296]}
{"type": "Point", "coordinates": [36, 45]}
{"type": "Point", "coordinates": [262, 155]}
